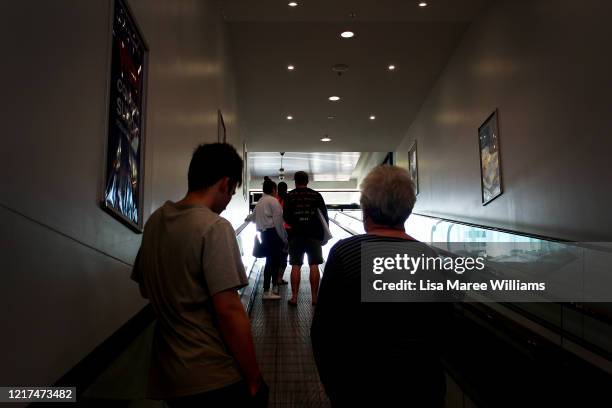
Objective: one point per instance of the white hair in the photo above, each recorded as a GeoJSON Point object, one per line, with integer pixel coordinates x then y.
{"type": "Point", "coordinates": [387, 195]}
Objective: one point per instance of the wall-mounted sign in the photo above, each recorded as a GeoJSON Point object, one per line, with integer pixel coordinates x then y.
{"type": "Point", "coordinates": [124, 175]}
{"type": "Point", "coordinates": [413, 166]}
{"type": "Point", "coordinates": [245, 172]}
{"type": "Point", "coordinates": [389, 159]}
{"type": "Point", "coordinates": [221, 130]}
{"type": "Point", "coordinates": [490, 168]}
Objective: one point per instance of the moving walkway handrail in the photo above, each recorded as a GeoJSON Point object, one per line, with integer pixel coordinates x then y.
{"type": "Point", "coordinates": [496, 229]}
{"type": "Point", "coordinates": [579, 307]}
{"type": "Point", "coordinates": [582, 308]}
{"type": "Point", "coordinates": [501, 324]}
{"type": "Point", "coordinates": [242, 227]}
{"type": "Point", "coordinates": [485, 227]}
{"type": "Point", "coordinates": [247, 293]}
{"type": "Point", "coordinates": [347, 229]}
{"type": "Point", "coordinates": [350, 216]}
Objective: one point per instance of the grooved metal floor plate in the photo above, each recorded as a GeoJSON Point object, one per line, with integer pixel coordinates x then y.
{"type": "Point", "coordinates": [281, 335]}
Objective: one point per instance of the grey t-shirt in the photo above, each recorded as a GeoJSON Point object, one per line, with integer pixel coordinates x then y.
{"type": "Point", "coordinates": [188, 254]}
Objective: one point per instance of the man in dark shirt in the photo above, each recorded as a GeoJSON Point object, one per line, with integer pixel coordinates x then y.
{"type": "Point", "coordinates": [304, 212]}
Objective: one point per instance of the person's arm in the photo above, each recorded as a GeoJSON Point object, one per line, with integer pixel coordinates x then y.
{"type": "Point", "coordinates": [224, 274]}
{"type": "Point", "coordinates": [322, 329]}
{"type": "Point", "coordinates": [136, 276]}
{"type": "Point", "coordinates": [235, 328]}
{"type": "Point", "coordinates": [288, 213]}
{"type": "Point", "coordinates": [323, 209]}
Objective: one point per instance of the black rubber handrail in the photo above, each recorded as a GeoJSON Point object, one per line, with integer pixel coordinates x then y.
{"type": "Point", "coordinates": [348, 230]}
{"type": "Point", "coordinates": [485, 227]}
{"type": "Point", "coordinates": [242, 227]}
{"type": "Point", "coordinates": [584, 309]}
{"type": "Point", "coordinates": [350, 216]}
{"type": "Point", "coordinates": [497, 229]}
{"type": "Point", "coordinates": [510, 331]}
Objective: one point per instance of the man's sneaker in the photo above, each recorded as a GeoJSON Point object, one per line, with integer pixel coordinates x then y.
{"type": "Point", "coordinates": [275, 289]}
{"type": "Point", "coordinates": [270, 296]}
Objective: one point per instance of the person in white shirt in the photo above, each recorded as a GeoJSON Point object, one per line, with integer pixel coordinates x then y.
{"type": "Point", "coordinates": [268, 216]}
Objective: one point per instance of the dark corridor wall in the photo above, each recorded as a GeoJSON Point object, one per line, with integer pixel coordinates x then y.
{"type": "Point", "coordinates": [64, 263]}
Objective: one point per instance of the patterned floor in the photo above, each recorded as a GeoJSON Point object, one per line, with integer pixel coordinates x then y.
{"type": "Point", "coordinates": [282, 342]}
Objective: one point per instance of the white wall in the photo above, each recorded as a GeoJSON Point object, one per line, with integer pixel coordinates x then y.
{"type": "Point", "coordinates": [367, 162]}
{"type": "Point", "coordinates": [546, 66]}
{"type": "Point", "coordinates": [65, 263]}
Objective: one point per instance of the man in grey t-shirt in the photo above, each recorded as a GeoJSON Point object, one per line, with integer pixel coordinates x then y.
{"type": "Point", "coordinates": [190, 268]}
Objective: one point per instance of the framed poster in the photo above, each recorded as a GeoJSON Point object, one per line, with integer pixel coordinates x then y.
{"type": "Point", "coordinates": [221, 130]}
{"type": "Point", "coordinates": [490, 160]}
{"type": "Point", "coordinates": [413, 167]}
{"type": "Point", "coordinates": [389, 159]}
{"type": "Point", "coordinates": [124, 168]}
{"type": "Point", "coordinates": [245, 172]}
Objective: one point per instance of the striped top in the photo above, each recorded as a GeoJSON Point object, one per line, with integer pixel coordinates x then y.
{"type": "Point", "coordinates": [362, 344]}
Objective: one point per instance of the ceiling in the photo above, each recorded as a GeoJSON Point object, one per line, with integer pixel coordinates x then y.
{"type": "Point", "coordinates": [340, 10]}
{"type": "Point", "coordinates": [268, 35]}
{"type": "Point", "coordinates": [322, 166]}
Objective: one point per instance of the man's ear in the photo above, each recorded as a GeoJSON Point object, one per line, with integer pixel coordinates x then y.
{"type": "Point", "coordinates": [365, 218]}
{"type": "Point", "coordinates": [227, 185]}
{"type": "Point", "coordinates": [224, 185]}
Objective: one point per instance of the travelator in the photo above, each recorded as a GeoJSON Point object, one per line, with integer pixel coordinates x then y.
{"type": "Point", "coordinates": [497, 354]}
{"type": "Point", "coordinates": [514, 353]}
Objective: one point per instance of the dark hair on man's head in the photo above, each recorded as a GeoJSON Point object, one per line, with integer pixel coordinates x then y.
{"type": "Point", "coordinates": [282, 190]}
{"type": "Point", "coordinates": [210, 163]}
{"type": "Point", "coordinates": [268, 185]}
{"type": "Point", "coordinates": [301, 178]}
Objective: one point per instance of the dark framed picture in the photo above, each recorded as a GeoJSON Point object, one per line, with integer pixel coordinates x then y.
{"type": "Point", "coordinates": [389, 159]}
{"type": "Point", "coordinates": [221, 130]}
{"type": "Point", "coordinates": [245, 172]}
{"type": "Point", "coordinates": [124, 166]}
{"type": "Point", "coordinates": [413, 166]}
{"type": "Point", "coordinates": [490, 159]}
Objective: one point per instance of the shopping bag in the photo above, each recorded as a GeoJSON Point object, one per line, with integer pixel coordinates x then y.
{"type": "Point", "coordinates": [326, 233]}
{"type": "Point", "coordinates": [259, 250]}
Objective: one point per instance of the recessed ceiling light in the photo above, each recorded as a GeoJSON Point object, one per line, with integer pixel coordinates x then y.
{"type": "Point", "coordinates": [290, 67]}
{"type": "Point", "coordinates": [293, 4]}
{"type": "Point", "coordinates": [289, 117]}
{"type": "Point", "coordinates": [326, 139]}
{"type": "Point", "coordinates": [372, 117]}
{"type": "Point", "coordinates": [391, 67]}
{"type": "Point", "coordinates": [347, 34]}
{"type": "Point", "coordinates": [422, 4]}
{"type": "Point", "coordinates": [334, 98]}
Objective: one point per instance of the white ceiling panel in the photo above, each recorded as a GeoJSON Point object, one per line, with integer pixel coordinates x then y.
{"type": "Point", "coordinates": [322, 166]}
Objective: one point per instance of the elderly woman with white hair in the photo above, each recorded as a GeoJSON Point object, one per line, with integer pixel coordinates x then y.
{"type": "Point", "coordinates": [377, 353]}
